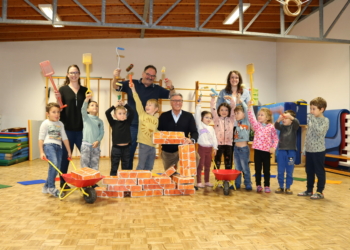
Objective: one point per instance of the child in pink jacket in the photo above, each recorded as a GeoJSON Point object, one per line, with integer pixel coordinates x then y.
{"type": "Point", "coordinates": [264, 144]}
{"type": "Point", "coordinates": [224, 119]}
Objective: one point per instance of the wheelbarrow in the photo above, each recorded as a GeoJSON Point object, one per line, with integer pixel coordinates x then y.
{"type": "Point", "coordinates": [85, 186]}
{"type": "Point", "coordinates": [225, 178]}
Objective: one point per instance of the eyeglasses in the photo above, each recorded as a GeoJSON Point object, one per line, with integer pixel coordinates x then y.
{"type": "Point", "coordinates": [74, 73]}
{"type": "Point", "coordinates": [235, 77]}
{"type": "Point", "coordinates": [179, 101]}
{"type": "Point", "coordinates": [153, 76]}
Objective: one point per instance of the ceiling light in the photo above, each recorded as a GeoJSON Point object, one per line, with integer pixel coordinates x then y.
{"type": "Point", "coordinates": [230, 19]}
{"type": "Point", "coordinates": [47, 10]}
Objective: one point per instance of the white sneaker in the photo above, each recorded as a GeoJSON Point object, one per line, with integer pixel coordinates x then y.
{"type": "Point", "coordinates": [53, 191]}
{"type": "Point", "coordinates": [45, 190]}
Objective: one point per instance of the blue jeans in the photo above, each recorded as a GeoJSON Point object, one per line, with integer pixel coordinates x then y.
{"type": "Point", "coordinates": [147, 154]}
{"type": "Point", "coordinates": [53, 152]}
{"type": "Point", "coordinates": [241, 158]}
{"type": "Point", "coordinates": [285, 163]}
{"type": "Point", "coordinates": [133, 129]}
{"type": "Point", "coordinates": [74, 137]}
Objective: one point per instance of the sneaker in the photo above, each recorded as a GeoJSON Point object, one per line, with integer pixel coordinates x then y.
{"type": "Point", "coordinates": [208, 184]}
{"type": "Point", "coordinates": [288, 191]}
{"type": "Point", "coordinates": [44, 190]}
{"type": "Point", "coordinates": [279, 191]}
{"type": "Point", "coordinates": [259, 189]}
{"type": "Point", "coordinates": [317, 196]}
{"type": "Point", "coordinates": [267, 189]}
{"type": "Point", "coordinates": [305, 193]}
{"type": "Point", "coordinates": [200, 185]}
{"type": "Point", "coordinates": [248, 188]}
{"type": "Point", "coordinates": [53, 191]}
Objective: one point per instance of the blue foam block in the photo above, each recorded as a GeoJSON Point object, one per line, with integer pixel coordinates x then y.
{"type": "Point", "coordinates": [31, 182]}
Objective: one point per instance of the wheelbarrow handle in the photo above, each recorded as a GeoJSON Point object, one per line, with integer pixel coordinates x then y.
{"type": "Point", "coordinates": [53, 165]}
{"type": "Point", "coordinates": [71, 161]}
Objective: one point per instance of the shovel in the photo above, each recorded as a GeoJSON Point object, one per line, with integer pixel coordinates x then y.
{"type": "Point", "coordinates": [48, 71]}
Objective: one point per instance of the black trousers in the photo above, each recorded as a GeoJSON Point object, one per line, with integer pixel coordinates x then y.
{"type": "Point", "coordinates": [227, 151]}
{"type": "Point", "coordinates": [315, 166]}
{"type": "Point", "coordinates": [119, 153]}
{"type": "Point", "coordinates": [262, 162]}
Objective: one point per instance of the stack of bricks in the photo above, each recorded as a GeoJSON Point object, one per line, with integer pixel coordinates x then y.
{"type": "Point", "coordinates": [140, 183]}
{"type": "Point", "coordinates": [187, 160]}
{"type": "Point", "coordinates": [85, 174]}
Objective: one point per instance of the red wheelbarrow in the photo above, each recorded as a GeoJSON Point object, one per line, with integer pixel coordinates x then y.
{"type": "Point", "coordinates": [85, 186]}
{"type": "Point", "coordinates": [225, 178]}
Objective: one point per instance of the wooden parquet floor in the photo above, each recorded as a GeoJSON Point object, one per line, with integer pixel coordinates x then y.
{"type": "Point", "coordinates": [207, 220]}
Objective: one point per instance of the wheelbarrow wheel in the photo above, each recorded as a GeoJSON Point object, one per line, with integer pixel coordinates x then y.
{"type": "Point", "coordinates": [226, 188]}
{"type": "Point", "coordinates": [92, 195]}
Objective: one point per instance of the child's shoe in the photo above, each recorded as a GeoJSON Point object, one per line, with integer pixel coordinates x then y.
{"type": "Point", "coordinates": [53, 191]}
{"type": "Point", "coordinates": [200, 185]}
{"type": "Point", "coordinates": [248, 188]}
{"type": "Point", "coordinates": [44, 190]}
{"type": "Point", "coordinates": [267, 189]}
{"type": "Point", "coordinates": [317, 196]}
{"type": "Point", "coordinates": [208, 184]}
{"type": "Point", "coordinates": [305, 193]}
{"type": "Point", "coordinates": [259, 189]}
{"type": "Point", "coordinates": [279, 190]}
{"type": "Point", "coordinates": [288, 191]}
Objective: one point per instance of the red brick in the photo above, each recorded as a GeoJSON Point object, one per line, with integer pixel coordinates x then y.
{"type": "Point", "coordinates": [146, 181]}
{"type": "Point", "coordinates": [154, 186]}
{"type": "Point", "coordinates": [181, 179]}
{"type": "Point", "coordinates": [185, 186]}
{"type": "Point", "coordinates": [158, 192]}
{"type": "Point", "coordinates": [162, 180]}
{"type": "Point", "coordinates": [110, 180]}
{"type": "Point", "coordinates": [168, 186]}
{"type": "Point", "coordinates": [112, 194]}
{"type": "Point", "coordinates": [169, 172]}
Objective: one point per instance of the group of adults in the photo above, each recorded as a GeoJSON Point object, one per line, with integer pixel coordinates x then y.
{"type": "Point", "coordinates": [72, 93]}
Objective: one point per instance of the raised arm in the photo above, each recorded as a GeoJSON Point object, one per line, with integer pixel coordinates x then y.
{"type": "Point", "coordinates": [213, 109]}
{"type": "Point", "coordinates": [197, 115]}
{"type": "Point", "coordinates": [139, 108]}
{"type": "Point", "coordinates": [233, 106]}
{"type": "Point", "coordinates": [109, 116]}
{"type": "Point", "coordinates": [252, 119]}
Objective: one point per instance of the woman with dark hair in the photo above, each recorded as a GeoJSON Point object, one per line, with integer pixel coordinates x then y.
{"type": "Point", "coordinates": [233, 88]}
{"type": "Point", "coordinates": [72, 94]}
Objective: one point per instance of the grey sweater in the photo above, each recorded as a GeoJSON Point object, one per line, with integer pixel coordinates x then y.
{"type": "Point", "coordinates": [317, 128]}
{"type": "Point", "coordinates": [288, 135]}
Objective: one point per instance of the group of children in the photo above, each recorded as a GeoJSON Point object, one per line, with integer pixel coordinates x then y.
{"type": "Point", "coordinates": [231, 123]}
{"type": "Point", "coordinates": [265, 143]}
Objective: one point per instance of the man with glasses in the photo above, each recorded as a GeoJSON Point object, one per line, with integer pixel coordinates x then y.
{"type": "Point", "coordinates": [146, 89]}
{"type": "Point", "coordinates": [179, 120]}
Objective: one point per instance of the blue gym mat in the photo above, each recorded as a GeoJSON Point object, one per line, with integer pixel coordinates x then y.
{"type": "Point", "coordinates": [31, 182]}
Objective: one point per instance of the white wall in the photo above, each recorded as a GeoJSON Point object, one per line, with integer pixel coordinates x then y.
{"type": "Point", "coordinates": [22, 94]}
{"type": "Point", "coordinates": [306, 70]}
